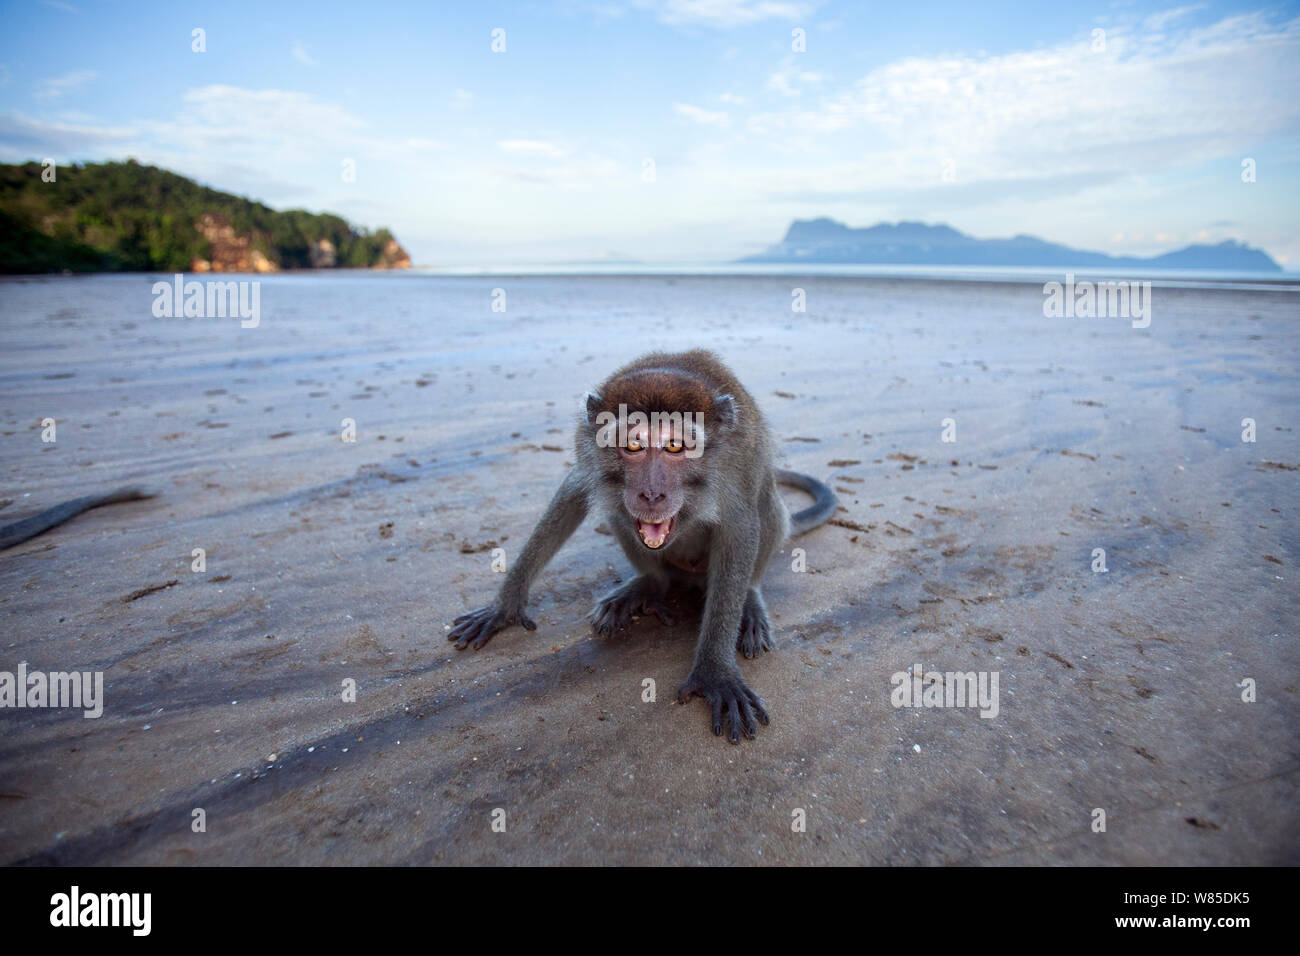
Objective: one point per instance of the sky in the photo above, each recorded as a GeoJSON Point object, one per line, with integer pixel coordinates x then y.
{"type": "Point", "coordinates": [685, 130]}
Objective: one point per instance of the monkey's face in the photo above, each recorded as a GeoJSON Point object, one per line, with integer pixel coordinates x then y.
{"type": "Point", "coordinates": [657, 466]}
{"type": "Point", "coordinates": [648, 441]}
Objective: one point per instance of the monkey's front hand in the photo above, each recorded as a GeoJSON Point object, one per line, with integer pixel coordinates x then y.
{"type": "Point", "coordinates": [725, 690]}
{"type": "Point", "coordinates": [477, 627]}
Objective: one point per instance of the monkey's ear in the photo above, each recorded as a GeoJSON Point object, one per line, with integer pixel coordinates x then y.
{"type": "Point", "coordinates": [594, 403]}
{"type": "Point", "coordinates": [724, 411]}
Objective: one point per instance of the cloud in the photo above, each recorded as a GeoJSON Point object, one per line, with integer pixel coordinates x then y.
{"type": "Point", "coordinates": [267, 119]}
{"type": "Point", "coordinates": [722, 14]}
{"type": "Point", "coordinates": [926, 193]}
{"type": "Point", "coordinates": [532, 147]}
{"type": "Point", "coordinates": [56, 86]}
{"type": "Point", "coordinates": [22, 139]}
{"type": "Point", "coordinates": [279, 129]}
{"type": "Point", "coordinates": [699, 115]}
{"type": "Point", "coordinates": [277, 146]}
{"type": "Point", "coordinates": [1158, 21]}
{"type": "Point", "coordinates": [1136, 109]}
{"type": "Point", "coordinates": [301, 55]}
{"type": "Point", "coordinates": [785, 80]}
{"type": "Point", "coordinates": [589, 172]}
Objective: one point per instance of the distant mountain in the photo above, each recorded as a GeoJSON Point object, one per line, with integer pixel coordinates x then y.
{"type": "Point", "coordinates": [124, 217]}
{"type": "Point", "coordinates": [915, 243]}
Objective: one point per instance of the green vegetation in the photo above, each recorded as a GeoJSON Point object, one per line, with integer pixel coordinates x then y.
{"type": "Point", "coordinates": [113, 217]}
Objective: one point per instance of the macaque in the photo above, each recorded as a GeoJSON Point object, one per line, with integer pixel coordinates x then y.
{"type": "Point", "coordinates": [678, 459]}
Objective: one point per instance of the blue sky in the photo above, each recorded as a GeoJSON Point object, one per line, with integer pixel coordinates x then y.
{"type": "Point", "coordinates": [996, 118]}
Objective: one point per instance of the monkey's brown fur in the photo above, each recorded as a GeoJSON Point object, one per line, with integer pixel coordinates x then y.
{"type": "Point", "coordinates": [660, 381]}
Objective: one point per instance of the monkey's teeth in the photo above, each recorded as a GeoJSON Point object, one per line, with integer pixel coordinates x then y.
{"type": "Point", "coordinates": [654, 533]}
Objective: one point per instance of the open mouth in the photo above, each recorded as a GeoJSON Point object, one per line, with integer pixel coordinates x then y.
{"type": "Point", "coordinates": [654, 534]}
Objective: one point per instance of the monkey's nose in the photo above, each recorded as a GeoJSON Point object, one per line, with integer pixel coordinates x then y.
{"type": "Point", "coordinates": [652, 498]}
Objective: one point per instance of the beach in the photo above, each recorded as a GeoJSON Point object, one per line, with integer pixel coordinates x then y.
{"type": "Point", "coordinates": [327, 561]}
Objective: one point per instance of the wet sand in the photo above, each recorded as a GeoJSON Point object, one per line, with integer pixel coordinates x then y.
{"type": "Point", "coordinates": [328, 560]}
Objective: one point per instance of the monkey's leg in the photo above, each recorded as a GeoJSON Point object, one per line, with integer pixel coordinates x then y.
{"type": "Point", "coordinates": [642, 593]}
{"type": "Point", "coordinates": [715, 676]}
{"type": "Point", "coordinates": [563, 515]}
{"type": "Point", "coordinates": [755, 635]}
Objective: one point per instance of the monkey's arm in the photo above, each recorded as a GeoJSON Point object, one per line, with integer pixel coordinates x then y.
{"type": "Point", "coordinates": [715, 676]}
{"type": "Point", "coordinates": [562, 517]}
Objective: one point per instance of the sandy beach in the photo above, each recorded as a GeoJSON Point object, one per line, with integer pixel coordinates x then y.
{"type": "Point", "coordinates": [329, 560]}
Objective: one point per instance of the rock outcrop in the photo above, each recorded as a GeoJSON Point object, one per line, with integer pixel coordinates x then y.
{"type": "Point", "coordinates": [230, 252]}
{"type": "Point", "coordinates": [393, 257]}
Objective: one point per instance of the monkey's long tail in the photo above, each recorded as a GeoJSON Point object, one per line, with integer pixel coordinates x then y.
{"type": "Point", "coordinates": [823, 506]}
{"type": "Point", "coordinates": [21, 531]}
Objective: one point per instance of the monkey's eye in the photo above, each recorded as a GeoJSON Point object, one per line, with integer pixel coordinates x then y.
{"type": "Point", "coordinates": [633, 445]}
{"type": "Point", "coordinates": [673, 446]}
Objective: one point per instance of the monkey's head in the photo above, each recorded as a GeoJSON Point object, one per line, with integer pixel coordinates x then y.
{"type": "Point", "coordinates": [650, 428]}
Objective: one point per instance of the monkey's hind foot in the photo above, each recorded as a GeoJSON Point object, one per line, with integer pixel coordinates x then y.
{"type": "Point", "coordinates": [755, 634]}
{"type": "Point", "coordinates": [616, 608]}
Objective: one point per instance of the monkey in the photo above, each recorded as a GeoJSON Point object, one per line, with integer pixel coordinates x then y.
{"type": "Point", "coordinates": [43, 521]}
{"type": "Point", "coordinates": [692, 500]}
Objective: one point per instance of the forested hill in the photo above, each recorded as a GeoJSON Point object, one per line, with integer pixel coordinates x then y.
{"type": "Point", "coordinates": [122, 217]}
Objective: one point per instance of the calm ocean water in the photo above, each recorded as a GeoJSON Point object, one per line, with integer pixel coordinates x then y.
{"type": "Point", "coordinates": [1172, 278]}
